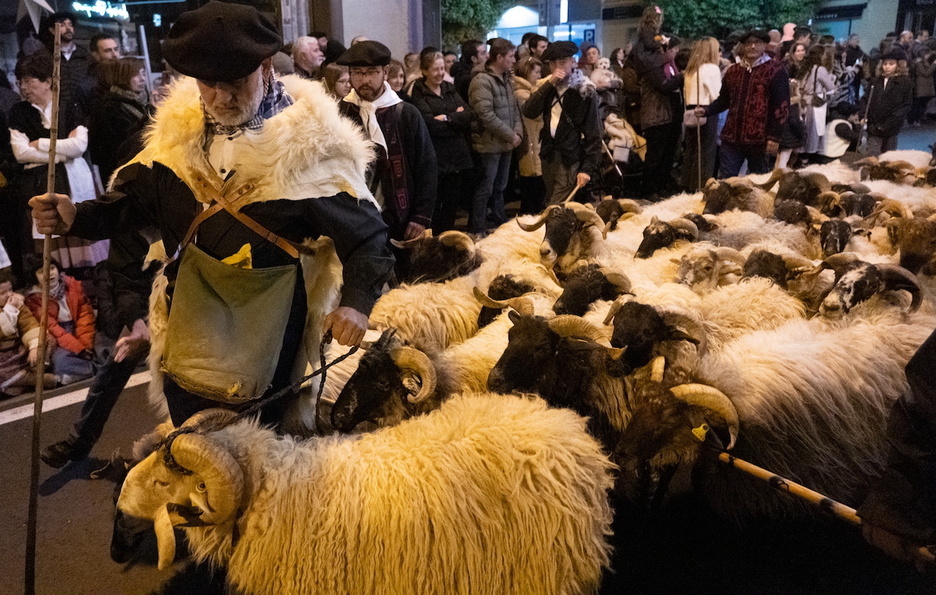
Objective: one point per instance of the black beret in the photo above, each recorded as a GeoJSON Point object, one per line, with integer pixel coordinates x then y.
{"type": "Point", "coordinates": [220, 41]}
{"type": "Point", "coordinates": [895, 53]}
{"type": "Point", "coordinates": [756, 34]}
{"type": "Point", "coordinates": [558, 50]}
{"type": "Point", "coordinates": [365, 53]}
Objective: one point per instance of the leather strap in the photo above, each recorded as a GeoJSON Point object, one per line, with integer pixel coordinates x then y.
{"type": "Point", "coordinates": [204, 189]}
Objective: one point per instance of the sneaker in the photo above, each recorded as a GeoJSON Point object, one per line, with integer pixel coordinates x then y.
{"type": "Point", "coordinates": [58, 454]}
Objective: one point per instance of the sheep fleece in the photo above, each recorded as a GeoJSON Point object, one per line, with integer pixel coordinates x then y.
{"type": "Point", "coordinates": [489, 494]}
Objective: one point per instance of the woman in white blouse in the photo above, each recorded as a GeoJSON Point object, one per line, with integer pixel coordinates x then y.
{"type": "Point", "coordinates": [30, 120]}
{"type": "Point", "coordinates": [701, 87]}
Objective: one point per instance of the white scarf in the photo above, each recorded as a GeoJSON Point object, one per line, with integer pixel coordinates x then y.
{"type": "Point", "coordinates": [369, 112]}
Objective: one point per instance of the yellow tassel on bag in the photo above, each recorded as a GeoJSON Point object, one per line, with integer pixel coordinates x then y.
{"type": "Point", "coordinates": [242, 259]}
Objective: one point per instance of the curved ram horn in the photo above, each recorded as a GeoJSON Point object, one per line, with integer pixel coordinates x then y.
{"type": "Point", "coordinates": [586, 215]}
{"type": "Point", "coordinates": [222, 480]}
{"type": "Point", "coordinates": [522, 304]}
{"type": "Point", "coordinates": [729, 254]}
{"type": "Point", "coordinates": [829, 199]}
{"type": "Point", "coordinates": [615, 307]}
{"type": "Point", "coordinates": [208, 419]}
{"type": "Point", "coordinates": [657, 369]}
{"type": "Point", "coordinates": [616, 278]}
{"type": "Point", "coordinates": [795, 261]}
{"type": "Point", "coordinates": [897, 278]}
{"type": "Point", "coordinates": [630, 206]}
{"type": "Point", "coordinates": [457, 239]}
{"type": "Point", "coordinates": [687, 226]}
{"type": "Point", "coordinates": [819, 180]}
{"type": "Point", "coordinates": [539, 222]}
{"type": "Point", "coordinates": [775, 176]}
{"type": "Point", "coordinates": [410, 358]}
{"type": "Point", "coordinates": [839, 262]}
{"type": "Point", "coordinates": [486, 300]}
{"type": "Point", "coordinates": [711, 398]}
{"type": "Point", "coordinates": [676, 317]}
{"type": "Point", "coordinates": [407, 244]}
{"type": "Point", "coordinates": [568, 325]}
{"type": "Point", "coordinates": [866, 161]}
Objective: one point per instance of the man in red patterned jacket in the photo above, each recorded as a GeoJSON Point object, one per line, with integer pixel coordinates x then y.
{"type": "Point", "coordinates": [756, 93]}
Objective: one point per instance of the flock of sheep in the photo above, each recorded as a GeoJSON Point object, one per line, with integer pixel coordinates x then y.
{"type": "Point", "coordinates": [768, 315]}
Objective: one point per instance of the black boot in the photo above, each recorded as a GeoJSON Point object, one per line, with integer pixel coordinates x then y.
{"type": "Point", "coordinates": [58, 454]}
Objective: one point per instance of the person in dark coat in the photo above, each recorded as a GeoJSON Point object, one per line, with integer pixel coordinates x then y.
{"type": "Point", "coordinates": [124, 110]}
{"type": "Point", "coordinates": [78, 81]}
{"type": "Point", "coordinates": [448, 119]}
{"type": "Point", "coordinates": [474, 54]}
{"type": "Point", "coordinates": [403, 178]}
{"type": "Point", "coordinates": [899, 513]}
{"type": "Point", "coordinates": [571, 137]}
{"type": "Point", "coordinates": [891, 95]}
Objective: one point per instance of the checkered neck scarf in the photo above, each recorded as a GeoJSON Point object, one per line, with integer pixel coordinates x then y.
{"type": "Point", "coordinates": [275, 101]}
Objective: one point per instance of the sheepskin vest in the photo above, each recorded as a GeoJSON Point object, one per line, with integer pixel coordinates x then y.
{"type": "Point", "coordinates": [307, 151]}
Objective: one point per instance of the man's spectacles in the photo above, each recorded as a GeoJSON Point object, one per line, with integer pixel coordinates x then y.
{"type": "Point", "coordinates": [365, 72]}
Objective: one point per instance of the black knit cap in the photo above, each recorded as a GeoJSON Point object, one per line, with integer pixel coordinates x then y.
{"type": "Point", "coordinates": [558, 50]}
{"type": "Point", "coordinates": [365, 53]}
{"type": "Point", "coordinates": [756, 34]}
{"type": "Point", "coordinates": [895, 53]}
{"type": "Point", "coordinates": [221, 41]}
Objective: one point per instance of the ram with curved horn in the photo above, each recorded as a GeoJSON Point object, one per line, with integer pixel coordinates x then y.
{"type": "Point", "coordinates": [857, 281]}
{"type": "Point", "coordinates": [614, 210]}
{"type": "Point", "coordinates": [395, 381]}
{"type": "Point", "coordinates": [663, 234]}
{"type": "Point", "coordinates": [887, 206]}
{"type": "Point", "coordinates": [915, 239]}
{"type": "Point", "coordinates": [588, 284]}
{"type": "Point", "coordinates": [736, 193]}
{"type": "Point", "coordinates": [425, 510]}
{"type": "Point", "coordinates": [900, 172]}
{"type": "Point", "coordinates": [802, 186]}
{"type": "Point", "coordinates": [433, 259]}
{"type": "Point", "coordinates": [706, 267]}
{"type": "Point", "coordinates": [569, 236]}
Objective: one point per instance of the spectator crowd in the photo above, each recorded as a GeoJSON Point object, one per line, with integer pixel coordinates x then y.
{"type": "Point", "coordinates": [457, 137]}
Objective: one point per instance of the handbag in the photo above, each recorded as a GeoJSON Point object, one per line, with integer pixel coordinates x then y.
{"type": "Point", "coordinates": [690, 119]}
{"type": "Point", "coordinates": [226, 323]}
{"type": "Point", "coordinates": [817, 100]}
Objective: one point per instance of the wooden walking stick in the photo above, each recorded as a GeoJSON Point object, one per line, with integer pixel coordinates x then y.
{"type": "Point", "coordinates": [839, 510]}
{"type": "Point", "coordinates": [864, 122]}
{"type": "Point", "coordinates": [32, 519]}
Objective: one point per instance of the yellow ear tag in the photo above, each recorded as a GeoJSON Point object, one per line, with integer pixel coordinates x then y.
{"type": "Point", "coordinates": [700, 432]}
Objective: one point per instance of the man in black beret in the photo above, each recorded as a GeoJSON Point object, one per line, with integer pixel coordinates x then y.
{"type": "Point", "coordinates": [756, 92]}
{"type": "Point", "coordinates": [571, 137]}
{"type": "Point", "coordinates": [238, 170]}
{"type": "Point", "coordinates": [403, 176]}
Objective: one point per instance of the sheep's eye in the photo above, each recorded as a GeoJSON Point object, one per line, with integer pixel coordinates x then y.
{"type": "Point", "coordinates": [160, 483]}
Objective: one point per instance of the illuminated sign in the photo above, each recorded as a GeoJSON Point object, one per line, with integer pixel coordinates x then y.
{"type": "Point", "coordinates": [102, 9]}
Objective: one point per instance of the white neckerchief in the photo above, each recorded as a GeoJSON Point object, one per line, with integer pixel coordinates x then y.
{"type": "Point", "coordinates": [45, 114]}
{"type": "Point", "coordinates": [68, 49]}
{"type": "Point", "coordinates": [369, 112]}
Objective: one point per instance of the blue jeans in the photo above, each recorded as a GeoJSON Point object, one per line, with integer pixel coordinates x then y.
{"type": "Point", "coordinates": [492, 180]}
{"type": "Point", "coordinates": [733, 156]}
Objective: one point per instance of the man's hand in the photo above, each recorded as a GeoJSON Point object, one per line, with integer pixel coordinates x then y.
{"type": "Point", "coordinates": [460, 109]}
{"type": "Point", "coordinates": [517, 139]}
{"type": "Point", "coordinates": [557, 76]}
{"type": "Point", "coordinates": [347, 325]}
{"type": "Point", "coordinates": [441, 118]}
{"type": "Point", "coordinates": [16, 300]}
{"type": "Point", "coordinates": [699, 111]}
{"type": "Point", "coordinates": [413, 230]}
{"type": "Point", "coordinates": [773, 147]}
{"type": "Point", "coordinates": [33, 357]}
{"type": "Point", "coordinates": [581, 179]}
{"type": "Point", "coordinates": [53, 213]}
{"type": "Point", "coordinates": [137, 340]}
{"type": "Point", "coordinates": [897, 546]}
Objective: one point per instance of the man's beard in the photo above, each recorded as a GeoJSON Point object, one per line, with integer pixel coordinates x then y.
{"type": "Point", "coordinates": [235, 114]}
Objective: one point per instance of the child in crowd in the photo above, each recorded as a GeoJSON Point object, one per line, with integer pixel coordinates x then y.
{"type": "Point", "coordinates": [794, 131]}
{"type": "Point", "coordinates": [842, 132]}
{"type": "Point", "coordinates": [71, 322]}
{"type": "Point", "coordinates": [19, 342]}
{"type": "Point", "coordinates": [887, 102]}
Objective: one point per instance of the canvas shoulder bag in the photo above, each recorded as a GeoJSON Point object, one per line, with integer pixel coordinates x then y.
{"type": "Point", "coordinates": [226, 323]}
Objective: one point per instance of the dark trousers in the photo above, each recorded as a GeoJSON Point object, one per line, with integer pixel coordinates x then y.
{"type": "Point", "coordinates": [690, 165]}
{"type": "Point", "coordinates": [559, 178]}
{"type": "Point", "coordinates": [732, 157]}
{"type": "Point", "coordinates": [454, 191]}
{"type": "Point", "coordinates": [107, 385]}
{"type": "Point", "coordinates": [662, 142]}
{"type": "Point", "coordinates": [880, 144]}
{"type": "Point", "coordinates": [492, 180]}
{"type": "Point", "coordinates": [532, 194]}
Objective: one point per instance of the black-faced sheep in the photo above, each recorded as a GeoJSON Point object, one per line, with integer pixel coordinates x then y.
{"type": "Point", "coordinates": [857, 281]}
{"type": "Point", "coordinates": [587, 284]}
{"type": "Point", "coordinates": [434, 259]}
{"type": "Point", "coordinates": [418, 502]}
{"type": "Point", "coordinates": [613, 210]}
{"type": "Point", "coordinates": [661, 234]}
{"type": "Point", "coordinates": [568, 234]}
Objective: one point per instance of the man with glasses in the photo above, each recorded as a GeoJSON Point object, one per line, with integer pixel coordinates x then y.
{"type": "Point", "coordinates": [756, 92]}
{"type": "Point", "coordinates": [403, 175]}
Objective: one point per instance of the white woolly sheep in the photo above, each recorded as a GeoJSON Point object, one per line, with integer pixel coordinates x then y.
{"type": "Point", "coordinates": [489, 494]}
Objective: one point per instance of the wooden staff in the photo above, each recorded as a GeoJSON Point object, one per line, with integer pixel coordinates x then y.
{"type": "Point", "coordinates": [864, 121]}
{"type": "Point", "coordinates": [839, 510]}
{"type": "Point", "coordinates": [30, 578]}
